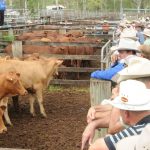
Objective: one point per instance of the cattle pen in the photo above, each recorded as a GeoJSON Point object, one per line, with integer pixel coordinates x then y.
{"type": "Point", "coordinates": [98, 60]}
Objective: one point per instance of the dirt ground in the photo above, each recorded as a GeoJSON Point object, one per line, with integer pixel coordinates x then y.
{"type": "Point", "coordinates": [61, 130]}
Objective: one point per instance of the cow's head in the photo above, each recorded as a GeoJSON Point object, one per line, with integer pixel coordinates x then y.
{"type": "Point", "coordinates": [14, 85]}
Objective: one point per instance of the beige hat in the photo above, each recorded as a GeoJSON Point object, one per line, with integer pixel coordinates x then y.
{"type": "Point", "coordinates": [146, 32]}
{"type": "Point", "coordinates": [133, 96]}
{"type": "Point", "coordinates": [129, 33]}
{"type": "Point", "coordinates": [137, 67]}
{"type": "Point", "coordinates": [138, 142]}
{"type": "Point", "coordinates": [128, 44]}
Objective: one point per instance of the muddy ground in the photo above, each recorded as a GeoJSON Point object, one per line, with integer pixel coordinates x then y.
{"type": "Point", "coordinates": [61, 130]}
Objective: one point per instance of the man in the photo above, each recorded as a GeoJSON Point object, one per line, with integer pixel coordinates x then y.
{"type": "Point", "coordinates": [134, 104]}
{"type": "Point", "coordinates": [105, 27]}
{"type": "Point", "coordinates": [139, 28]}
{"type": "Point", "coordinates": [127, 49]}
{"type": "Point", "coordinates": [2, 10]}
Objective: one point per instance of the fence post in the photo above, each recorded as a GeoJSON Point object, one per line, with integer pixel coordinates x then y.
{"type": "Point", "coordinates": [99, 90]}
{"type": "Point", "coordinates": [17, 48]}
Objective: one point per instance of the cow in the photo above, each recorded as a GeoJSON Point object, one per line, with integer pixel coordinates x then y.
{"type": "Point", "coordinates": [35, 76]}
{"type": "Point", "coordinates": [10, 85]}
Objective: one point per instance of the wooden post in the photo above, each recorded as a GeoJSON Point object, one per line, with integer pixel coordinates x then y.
{"type": "Point", "coordinates": [99, 90]}
{"type": "Point", "coordinates": [62, 31]}
{"type": "Point", "coordinates": [17, 49]}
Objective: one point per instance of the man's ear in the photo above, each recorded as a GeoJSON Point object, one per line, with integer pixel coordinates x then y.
{"type": "Point", "coordinates": [127, 116]}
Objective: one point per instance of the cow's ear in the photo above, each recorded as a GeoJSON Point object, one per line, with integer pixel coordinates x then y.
{"type": "Point", "coordinates": [59, 62]}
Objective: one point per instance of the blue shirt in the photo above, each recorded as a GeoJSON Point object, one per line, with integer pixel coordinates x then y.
{"type": "Point", "coordinates": [140, 35]}
{"type": "Point", "coordinates": [108, 73]}
{"type": "Point", "coordinates": [2, 5]}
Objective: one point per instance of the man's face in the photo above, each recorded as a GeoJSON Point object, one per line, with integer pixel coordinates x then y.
{"type": "Point", "coordinates": [123, 54]}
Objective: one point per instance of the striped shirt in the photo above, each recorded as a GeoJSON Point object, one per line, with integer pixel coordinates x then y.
{"type": "Point", "coordinates": [112, 140]}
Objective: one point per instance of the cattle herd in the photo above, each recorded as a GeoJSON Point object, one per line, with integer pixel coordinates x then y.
{"type": "Point", "coordinates": [22, 76]}
{"type": "Point", "coordinates": [53, 36]}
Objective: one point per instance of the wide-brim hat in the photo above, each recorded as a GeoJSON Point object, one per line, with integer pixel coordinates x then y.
{"type": "Point", "coordinates": [128, 44]}
{"type": "Point", "coordinates": [137, 142]}
{"type": "Point", "coordinates": [137, 67]}
{"type": "Point", "coordinates": [147, 32]}
{"type": "Point", "coordinates": [133, 96]}
{"type": "Point", "coordinates": [129, 33]}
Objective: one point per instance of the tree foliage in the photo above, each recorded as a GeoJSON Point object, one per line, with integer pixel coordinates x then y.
{"type": "Point", "coordinates": [82, 4]}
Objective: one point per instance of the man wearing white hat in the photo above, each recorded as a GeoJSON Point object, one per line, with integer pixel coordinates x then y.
{"type": "Point", "coordinates": [134, 104]}
{"type": "Point", "coordinates": [127, 49]}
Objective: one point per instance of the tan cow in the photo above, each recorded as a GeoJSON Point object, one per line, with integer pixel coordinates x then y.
{"type": "Point", "coordinates": [35, 76]}
{"type": "Point", "coordinates": [9, 85]}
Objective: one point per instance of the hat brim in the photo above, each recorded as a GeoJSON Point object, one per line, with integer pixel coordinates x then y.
{"type": "Point", "coordinates": [123, 106]}
{"type": "Point", "coordinates": [133, 38]}
{"type": "Point", "coordinates": [126, 48]}
{"type": "Point", "coordinates": [118, 78]}
{"type": "Point", "coordinates": [130, 141]}
{"type": "Point", "coordinates": [147, 34]}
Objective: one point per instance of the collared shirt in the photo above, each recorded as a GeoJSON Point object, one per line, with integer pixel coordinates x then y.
{"type": "Point", "coordinates": [112, 140]}
{"type": "Point", "coordinates": [140, 35]}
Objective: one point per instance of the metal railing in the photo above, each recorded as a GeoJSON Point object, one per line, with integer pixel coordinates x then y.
{"type": "Point", "coordinates": [105, 55]}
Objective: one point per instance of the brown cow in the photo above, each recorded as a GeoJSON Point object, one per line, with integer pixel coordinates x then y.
{"type": "Point", "coordinates": [9, 85]}
{"type": "Point", "coordinates": [35, 76]}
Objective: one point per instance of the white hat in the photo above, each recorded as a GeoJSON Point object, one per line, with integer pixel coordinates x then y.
{"type": "Point", "coordinates": [138, 142]}
{"type": "Point", "coordinates": [129, 33]}
{"type": "Point", "coordinates": [127, 44]}
{"type": "Point", "coordinates": [133, 96]}
{"type": "Point", "coordinates": [146, 32]}
{"type": "Point", "coordinates": [137, 67]}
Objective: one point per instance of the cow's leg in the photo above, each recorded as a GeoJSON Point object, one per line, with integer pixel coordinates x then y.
{"type": "Point", "coordinates": [31, 101]}
{"type": "Point", "coordinates": [39, 94]}
{"type": "Point", "coordinates": [16, 103]}
{"type": "Point", "coordinates": [6, 116]}
{"type": "Point", "coordinates": [2, 125]}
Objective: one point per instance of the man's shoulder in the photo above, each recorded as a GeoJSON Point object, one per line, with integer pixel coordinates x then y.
{"type": "Point", "coordinates": [112, 140]}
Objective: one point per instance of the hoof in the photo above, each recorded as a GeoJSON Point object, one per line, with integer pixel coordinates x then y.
{"type": "Point", "coordinates": [3, 130]}
{"type": "Point", "coordinates": [33, 115]}
{"type": "Point", "coordinates": [10, 124]}
{"type": "Point", "coordinates": [44, 115]}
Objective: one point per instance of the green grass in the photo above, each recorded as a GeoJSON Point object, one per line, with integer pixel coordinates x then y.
{"type": "Point", "coordinates": [9, 37]}
{"type": "Point", "coordinates": [57, 88]}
